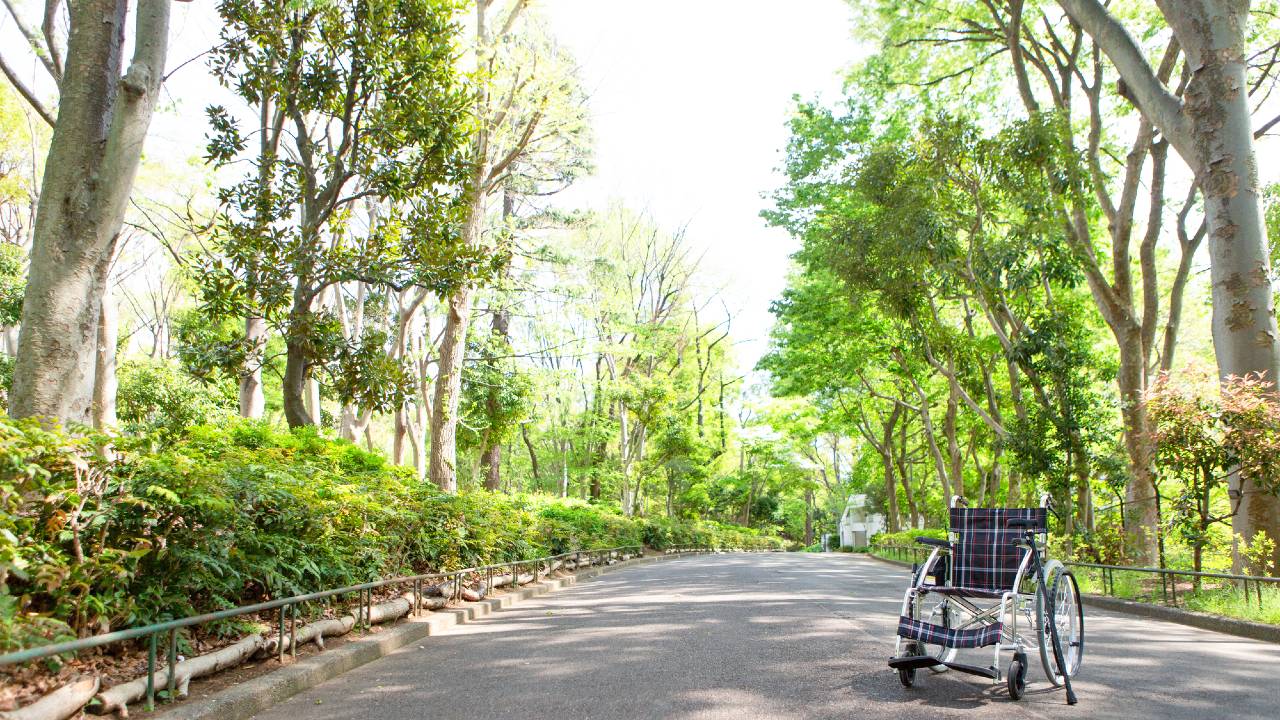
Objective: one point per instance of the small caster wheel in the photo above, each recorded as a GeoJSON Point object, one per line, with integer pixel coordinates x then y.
{"type": "Point", "coordinates": [907, 676]}
{"type": "Point", "coordinates": [1017, 680]}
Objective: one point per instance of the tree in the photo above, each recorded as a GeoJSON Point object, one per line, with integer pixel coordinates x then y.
{"type": "Point", "coordinates": [101, 123]}
{"type": "Point", "coordinates": [365, 94]}
{"type": "Point", "coordinates": [1211, 127]}
{"type": "Point", "coordinates": [524, 107]}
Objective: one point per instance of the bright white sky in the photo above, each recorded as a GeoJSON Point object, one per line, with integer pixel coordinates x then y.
{"type": "Point", "coordinates": [690, 100]}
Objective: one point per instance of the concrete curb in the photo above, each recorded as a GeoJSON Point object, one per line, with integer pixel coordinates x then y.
{"type": "Point", "coordinates": [253, 696]}
{"type": "Point", "coordinates": [1204, 621]}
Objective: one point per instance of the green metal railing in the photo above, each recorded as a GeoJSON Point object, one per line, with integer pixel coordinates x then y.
{"type": "Point", "coordinates": [1106, 573]}
{"type": "Point", "coordinates": [289, 607]}
{"type": "Point", "coordinates": [677, 549]}
{"type": "Point", "coordinates": [1169, 578]}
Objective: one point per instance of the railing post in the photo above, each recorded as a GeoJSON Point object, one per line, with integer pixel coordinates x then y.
{"type": "Point", "coordinates": [151, 673]}
{"type": "Point", "coordinates": [280, 642]}
{"type": "Point", "coordinates": [173, 665]}
{"type": "Point", "coordinates": [293, 630]}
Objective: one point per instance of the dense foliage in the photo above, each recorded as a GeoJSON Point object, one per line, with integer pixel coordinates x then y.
{"type": "Point", "coordinates": [244, 512]}
{"type": "Point", "coordinates": [998, 266]}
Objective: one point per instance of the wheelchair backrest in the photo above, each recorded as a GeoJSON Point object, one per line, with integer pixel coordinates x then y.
{"type": "Point", "coordinates": [986, 557]}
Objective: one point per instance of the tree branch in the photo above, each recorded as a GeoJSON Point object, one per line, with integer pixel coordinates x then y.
{"type": "Point", "coordinates": [1151, 95]}
{"type": "Point", "coordinates": [26, 93]}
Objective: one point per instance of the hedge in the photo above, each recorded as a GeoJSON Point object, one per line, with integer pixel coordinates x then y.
{"type": "Point", "coordinates": [225, 516]}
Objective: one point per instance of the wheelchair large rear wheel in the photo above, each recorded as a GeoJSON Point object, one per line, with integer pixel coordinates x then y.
{"type": "Point", "coordinates": [1068, 618]}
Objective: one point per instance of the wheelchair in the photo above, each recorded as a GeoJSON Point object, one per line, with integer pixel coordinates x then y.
{"type": "Point", "coordinates": [992, 585]}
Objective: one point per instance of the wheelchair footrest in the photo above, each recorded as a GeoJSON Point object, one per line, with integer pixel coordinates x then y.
{"type": "Point", "coordinates": [929, 633]}
{"type": "Point", "coordinates": [986, 672]}
{"type": "Point", "coordinates": [913, 662]}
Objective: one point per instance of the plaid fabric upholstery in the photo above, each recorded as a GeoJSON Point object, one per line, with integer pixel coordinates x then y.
{"type": "Point", "coordinates": [985, 557]}
{"type": "Point", "coordinates": [960, 591]}
{"type": "Point", "coordinates": [927, 632]}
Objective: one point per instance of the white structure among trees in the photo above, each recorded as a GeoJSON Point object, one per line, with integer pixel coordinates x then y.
{"type": "Point", "coordinates": [857, 525]}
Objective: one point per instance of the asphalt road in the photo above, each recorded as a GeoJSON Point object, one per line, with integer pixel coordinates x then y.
{"type": "Point", "coordinates": [770, 636]}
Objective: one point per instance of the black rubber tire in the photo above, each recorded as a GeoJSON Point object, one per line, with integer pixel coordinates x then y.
{"type": "Point", "coordinates": [1074, 589]}
{"type": "Point", "coordinates": [907, 676]}
{"type": "Point", "coordinates": [1017, 680]}
{"type": "Point", "coordinates": [1048, 656]}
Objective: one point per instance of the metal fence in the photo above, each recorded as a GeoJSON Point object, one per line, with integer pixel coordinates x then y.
{"type": "Point", "coordinates": [1106, 573]}
{"type": "Point", "coordinates": [1169, 579]}
{"type": "Point", "coordinates": [677, 549]}
{"type": "Point", "coordinates": [288, 608]}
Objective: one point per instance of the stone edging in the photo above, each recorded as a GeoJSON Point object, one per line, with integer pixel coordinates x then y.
{"type": "Point", "coordinates": [255, 695]}
{"type": "Point", "coordinates": [1204, 621]}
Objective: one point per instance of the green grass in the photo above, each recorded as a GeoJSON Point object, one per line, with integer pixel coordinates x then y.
{"type": "Point", "coordinates": [1218, 597]}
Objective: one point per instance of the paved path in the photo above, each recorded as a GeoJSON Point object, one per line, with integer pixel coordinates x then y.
{"type": "Point", "coordinates": [769, 636]}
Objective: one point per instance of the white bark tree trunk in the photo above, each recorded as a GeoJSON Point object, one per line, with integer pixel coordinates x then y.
{"type": "Point", "coordinates": [102, 122]}
{"type": "Point", "coordinates": [252, 401]}
{"type": "Point", "coordinates": [444, 417]}
{"type": "Point", "coordinates": [104, 376]}
{"type": "Point", "coordinates": [453, 344]}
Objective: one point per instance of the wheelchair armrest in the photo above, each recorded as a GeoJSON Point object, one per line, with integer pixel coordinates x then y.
{"type": "Point", "coordinates": [945, 545]}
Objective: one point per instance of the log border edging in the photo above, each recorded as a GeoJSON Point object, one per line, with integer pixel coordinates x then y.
{"type": "Point", "coordinates": [242, 701]}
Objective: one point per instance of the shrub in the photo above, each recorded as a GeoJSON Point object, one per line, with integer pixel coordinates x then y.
{"type": "Point", "coordinates": [907, 537]}
{"type": "Point", "coordinates": [223, 516]}
{"type": "Point", "coordinates": [157, 397]}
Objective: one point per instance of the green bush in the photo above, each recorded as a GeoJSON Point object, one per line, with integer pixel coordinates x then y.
{"type": "Point", "coordinates": [907, 537]}
{"type": "Point", "coordinates": [223, 516]}
{"type": "Point", "coordinates": [568, 525]}
{"type": "Point", "coordinates": [156, 396]}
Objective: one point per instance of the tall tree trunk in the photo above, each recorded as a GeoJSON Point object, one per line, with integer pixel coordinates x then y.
{"type": "Point", "coordinates": [300, 407]}
{"type": "Point", "coordinates": [104, 378]}
{"type": "Point", "coordinates": [533, 453]}
{"type": "Point", "coordinates": [835, 459]}
{"type": "Point", "coordinates": [1244, 319]}
{"type": "Point", "coordinates": [1140, 494]}
{"type": "Point", "coordinates": [500, 327]}
{"type": "Point", "coordinates": [564, 468]}
{"type": "Point", "coordinates": [904, 476]}
{"type": "Point", "coordinates": [955, 457]}
{"type": "Point", "coordinates": [491, 461]}
{"type": "Point", "coordinates": [624, 453]}
{"type": "Point", "coordinates": [294, 384]}
{"type": "Point", "coordinates": [97, 142]}
{"type": "Point", "coordinates": [808, 517]}
{"type": "Point", "coordinates": [453, 344]}
{"type": "Point", "coordinates": [890, 491]}
{"type": "Point", "coordinates": [444, 417]}
{"type": "Point", "coordinates": [252, 401]}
